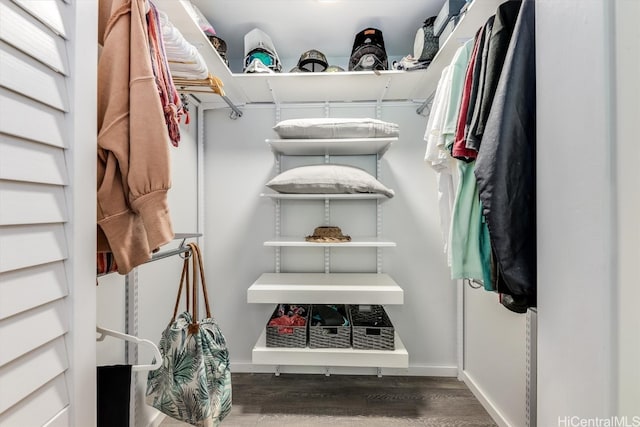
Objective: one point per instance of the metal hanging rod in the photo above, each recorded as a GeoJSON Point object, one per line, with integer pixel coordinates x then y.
{"type": "Point", "coordinates": [181, 249]}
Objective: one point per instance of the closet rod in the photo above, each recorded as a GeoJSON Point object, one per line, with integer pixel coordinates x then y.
{"type": "Point", "coordinates": [169, 253]}
{"type": "Point", "coordinates": [181, 249]}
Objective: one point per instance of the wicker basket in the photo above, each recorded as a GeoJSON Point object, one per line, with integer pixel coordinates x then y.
{"type": "Point", "coordinates": [371, 328]}
{"type": "Point", "coordinates": [287, 336]}
{"type": "Point", "coordinates": [321, 336]}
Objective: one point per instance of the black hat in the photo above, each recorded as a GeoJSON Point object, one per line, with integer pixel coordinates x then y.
{"type": "Point", "coordinates": [368, 52]}
{"type": "Point", "coordinates": [312, 60]}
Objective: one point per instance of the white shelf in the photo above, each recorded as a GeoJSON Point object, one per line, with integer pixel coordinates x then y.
{"type": "Point", "coordinates": [263, 355]}
{"type": "Point", "coordinates": [332, 147]}
{"type": "Point", "coordinates": [294, 87]}
{"type": "Point", "coordinates": [361, 242]}
{"type": "Point", "coordinates": [390, 85]}
{"type": "Point", "coordinates": [326, 288]}
{"type": "Point", "coordinates": [323, 196]}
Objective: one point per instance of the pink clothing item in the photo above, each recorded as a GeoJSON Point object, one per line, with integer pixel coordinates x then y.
{"type": "Point", "coordinates": [133, 171]}
{"type": "Point", "coordinates": [169, 98]}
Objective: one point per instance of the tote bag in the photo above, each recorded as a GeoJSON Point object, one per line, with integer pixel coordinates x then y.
{"type": "Point", "coordinates": [194, 383]}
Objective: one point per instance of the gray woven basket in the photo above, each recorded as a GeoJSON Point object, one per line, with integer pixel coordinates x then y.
{"type": "Point", "coordinates": [371, 329]}
{"type": "Point", "coordinates": [287, 336]}
{"type": "Point", "coordinates": [330, 336]}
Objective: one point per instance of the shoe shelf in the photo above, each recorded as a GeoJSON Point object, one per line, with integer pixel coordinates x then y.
{"type": "Point", "coordinates": [263, 355]}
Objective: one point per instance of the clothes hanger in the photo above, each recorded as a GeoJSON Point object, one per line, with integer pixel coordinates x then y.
{"type": "Point", "coordinates": [158, 356]}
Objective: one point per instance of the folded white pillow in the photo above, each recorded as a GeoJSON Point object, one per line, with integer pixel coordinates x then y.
{"type": "Point", "coordinates": [327, 178]}
{"type": "Point", "coordinates": [323, 128]}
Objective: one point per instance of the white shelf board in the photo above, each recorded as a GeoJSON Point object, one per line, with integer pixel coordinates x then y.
{"type": "Point", "coordinates": [362, 242]}
{"type": "Point", "coordinates": [347, 86]}
{"type": "Point", "coordinates": [263, 355]}
{"type": "Point", "coordinates": [325, 288]}
{"type": "Point", "coordinates": [332, 147]}
{"type": "Point", "coordinates": [323, 196]}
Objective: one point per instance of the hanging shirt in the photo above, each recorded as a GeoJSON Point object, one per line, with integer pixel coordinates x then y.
{"type": "Point", "coordinates": [459, 150]}
{"type": "Point", "coordinates": [437, 156]}
{"type": "Point", "coordinates": [458, 68]}
{"type": "Point", "coordinates": [473, 119]}
{"type": "Point", "coordinates": [498, 43]}
{"type": "Point", "coordinates": [505, 169]}
{"type": "Point", "coordinates": [466, 258]}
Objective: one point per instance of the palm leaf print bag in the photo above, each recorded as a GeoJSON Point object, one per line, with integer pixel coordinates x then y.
{"type": "Point", "coordinates": [194, 383]}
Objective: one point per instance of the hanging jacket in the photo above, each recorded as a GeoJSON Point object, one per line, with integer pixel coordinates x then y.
{"type": "Point", "coordinates": [505, 167]}
{"type": "Point", "coordinates": [498, 42]}
{"type": "Point", "coordinates": [133, 171]}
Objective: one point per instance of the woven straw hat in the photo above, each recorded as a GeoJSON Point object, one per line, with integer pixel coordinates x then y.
{"type": "Point", "coordinates": [327, 234]}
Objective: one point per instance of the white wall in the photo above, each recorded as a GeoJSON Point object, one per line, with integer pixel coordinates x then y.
{"type": "Point", "coordinates": [577, 191]}
{"type": "Point", "coordinates": [495, 352]}
{"type": "Point", "coordinates": [628, 203]}
{"type": "Point", "coordinates": [238, 163]}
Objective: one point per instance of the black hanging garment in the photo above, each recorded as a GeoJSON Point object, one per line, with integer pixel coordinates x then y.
{"type": "Point", "coordinates": [506, 165]}
{"type": "Point", "coordinates": [114, 393]}
{"type": "Point", "coordinates": [497, 44]}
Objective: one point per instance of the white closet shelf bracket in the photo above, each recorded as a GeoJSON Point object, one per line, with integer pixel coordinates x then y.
{"type": "Point", "coordinates": [425, 105]}
{"type": "Point", "coordinates": [157, 356]}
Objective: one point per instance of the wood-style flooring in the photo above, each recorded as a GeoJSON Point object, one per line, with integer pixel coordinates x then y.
{"type": "Point", "coordinates": [295, 400]}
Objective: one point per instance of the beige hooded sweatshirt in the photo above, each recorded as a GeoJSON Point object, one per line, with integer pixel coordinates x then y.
{"type": "Point", "coordinates": [133, 141]}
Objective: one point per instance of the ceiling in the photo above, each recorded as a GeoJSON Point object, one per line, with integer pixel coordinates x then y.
{"type": "Point", "coordinates": [296, 26]}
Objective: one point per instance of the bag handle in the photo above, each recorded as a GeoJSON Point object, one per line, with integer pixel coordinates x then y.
{"type": "Point", "coordinates": [192, 286]}
{"type": "Point", "coordinates": [183, 276]}
{"type": "Point", "coordinates": [200, 264]}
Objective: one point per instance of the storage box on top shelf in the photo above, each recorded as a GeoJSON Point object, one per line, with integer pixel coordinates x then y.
{"type": "Point", "coordinates": [329, 326]}
{"type": "Point", "coordinates": [287, 326]}
{"type": "Point", "coordinates": [449, 8]}
{"type": "Point", "coordinates": [371, 328]}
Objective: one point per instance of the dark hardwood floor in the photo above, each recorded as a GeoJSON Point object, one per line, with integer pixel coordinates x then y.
{"type": "Point", "coordinates": [350, 400]}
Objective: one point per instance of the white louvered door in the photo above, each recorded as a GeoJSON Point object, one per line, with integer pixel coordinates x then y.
{"type": "Point", "coordinates": [48, 55]}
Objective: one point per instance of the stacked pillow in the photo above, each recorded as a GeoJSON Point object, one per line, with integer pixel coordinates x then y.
{"type": "Point", "coordinates": [329, 179]}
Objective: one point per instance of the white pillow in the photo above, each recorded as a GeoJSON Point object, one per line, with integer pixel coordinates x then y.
{"type": "Point", "coordinates": [323, 128]}
{"type": "Point", "coordinates": [327, 178]}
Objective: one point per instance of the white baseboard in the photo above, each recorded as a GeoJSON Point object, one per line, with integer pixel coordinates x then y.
{"type": "Point", "coordinates": [490, 407]}
{"type": "Point", "coordinates": [425, 371]}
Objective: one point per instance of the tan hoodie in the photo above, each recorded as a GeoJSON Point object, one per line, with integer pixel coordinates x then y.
{"type": "Point", "coordinates": [133, 141]}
